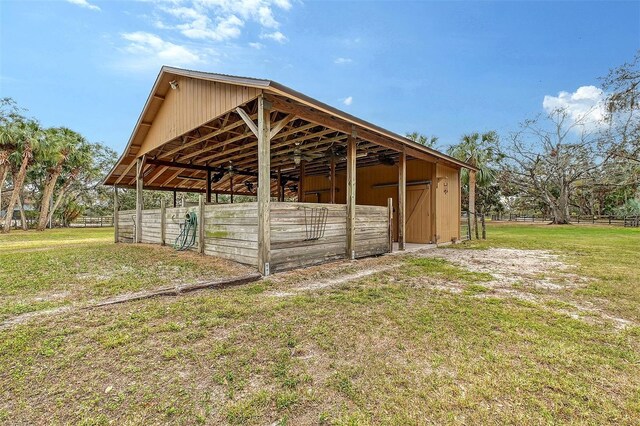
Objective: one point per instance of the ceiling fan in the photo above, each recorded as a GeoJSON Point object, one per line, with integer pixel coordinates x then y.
{"type": "Point", "coordinates": [298, 155]}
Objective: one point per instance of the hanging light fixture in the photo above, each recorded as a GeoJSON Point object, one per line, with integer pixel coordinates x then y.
{"type": "Point", "coordinates": [297, 156]}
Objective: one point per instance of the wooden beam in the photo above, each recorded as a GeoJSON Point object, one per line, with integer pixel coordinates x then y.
{"type": "Point", "coordinates": [402, 199]}
{"type": "Point", "coordinates": [201, 224]}
{"type": "Point", "coordinates": [280, 125]}
{"type": "Point", "coordinates": [202, 138]}
{"type": "Point", "coordinates": [390, 219]}
{"type": "Point", "coordinates": [129, 167]}
{"type": "Point", "coordinates": [394, 184]}
{"type": "Point", "coordinates": [326, 120]}
{"type": "Point", "coordinates": [200, 167]}
{"type": "Point", "coordinates": [156, 174]}
{"type": "Point", "coordinates": [332, 178]}
{"type": "Point", "coordinates": [279, 183]}
{"type": "Point", "coordinates": [472, 199]}
{"type": "Point", "coordinates": [351, 197]}
{"type": "Point", "coordinates": [264, 186]}
{"type": "Point", "coordinates": [301, 181]}
{"type": "Point", "coordinates": [208, 186]}
{"type": "Point", "coordinates": [139, 199]}
{"type": "Point", "coordinates": [116, 228]}
{"type": "Point", "coordinates": [163, 218]}
{"type": "Point", "coordinates": [248, 121]}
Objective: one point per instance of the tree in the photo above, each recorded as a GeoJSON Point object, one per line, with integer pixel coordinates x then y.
{"type": "Point", "coordinates": [9, 115]}
{"type": "Point", "coordinates": [549, 159]}
{"type": "Point", "coordinates": [428, 141]}
{"type": "Point", "coordinates": [482, 152]}
{"type": "Point", "coordinates": [62, 152]}
{"type": "Point", "coordinates": [20, 138]}
{"type": "Point", "coordinates": [82, 173]}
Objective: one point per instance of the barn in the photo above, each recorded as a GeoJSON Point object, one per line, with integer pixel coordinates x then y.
{"type": "Point", "coordinates": [322, 183]}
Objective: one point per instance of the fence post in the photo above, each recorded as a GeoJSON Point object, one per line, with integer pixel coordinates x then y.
{"type": "Point", "coordinates": [163, 207]}
{"type": "Point", "coordinates": [390, 217]}
{"type": "Point", "coordinates": [116, 231]}
{"type": "Point", "coordinates": [201, 225]}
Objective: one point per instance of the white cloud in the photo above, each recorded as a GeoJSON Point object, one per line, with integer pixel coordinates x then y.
{"type": "Point", "coordinates": [84, 3]}
{"type": "Point", "coordinates": [341, 61]}
{"type": "Point", "coordinates": [220, 20]}
{"type": "Point", "coordinates": [585, 105]}
{"type": "Point", "coordinates": [348, 100]}
{"type": "Point", "coordinates": [150, 51]}
{"type": "Point", "coordinates": [256, 45]}
{"type": "Point", "coordinates": [276, 36]}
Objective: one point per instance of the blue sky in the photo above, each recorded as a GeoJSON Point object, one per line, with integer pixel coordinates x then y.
{"type": "Point", "coordinates": [441, 68]}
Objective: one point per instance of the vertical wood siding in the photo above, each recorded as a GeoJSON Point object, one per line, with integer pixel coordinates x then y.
{"type": "Point", "coordinates": [368, 195]}
{"type": "Point", "coordinates": [447, 204]}
{"type": "Point", "coordinates": [194, 103]}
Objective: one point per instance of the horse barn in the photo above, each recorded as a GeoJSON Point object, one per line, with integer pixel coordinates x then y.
{"type": "Point", "coordinates": [326, 185]}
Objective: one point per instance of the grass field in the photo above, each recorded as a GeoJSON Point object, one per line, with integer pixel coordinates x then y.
{"type": "Point", "coordinates": [420, 340]}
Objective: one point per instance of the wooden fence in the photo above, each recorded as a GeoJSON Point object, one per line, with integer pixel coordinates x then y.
{"type": "Point", "coordinates": [92, 222]}
{"type": "Point", "coordinates": [302, 234]}
{"type": "Point", "coordinates": [628, 221]}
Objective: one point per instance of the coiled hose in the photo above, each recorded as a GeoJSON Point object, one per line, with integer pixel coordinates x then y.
{"type": "Point", "coordinates": [187, 237]}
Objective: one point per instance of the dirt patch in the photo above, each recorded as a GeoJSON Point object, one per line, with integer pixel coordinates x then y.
{"type": "Point", "coordinates": [537, 269]}
{"type": "Point", "coordinates": [22, 318]}
{"type": "Point", "coordinates": [313, 285]}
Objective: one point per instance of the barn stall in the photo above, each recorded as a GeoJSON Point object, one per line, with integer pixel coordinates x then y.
{"type": "Point", "coordinates": [326, 184]}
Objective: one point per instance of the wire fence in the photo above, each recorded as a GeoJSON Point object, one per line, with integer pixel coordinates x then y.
{"type": "Point", "coordinates": [627, 221]}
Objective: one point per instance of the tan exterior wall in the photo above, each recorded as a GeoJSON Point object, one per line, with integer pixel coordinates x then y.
{"type": "Point", "coordinates": [194, 103]}
{"type": "Point", "coordinates": [367, 194]}
{"type": "Point", "coordinates": [447, 203]}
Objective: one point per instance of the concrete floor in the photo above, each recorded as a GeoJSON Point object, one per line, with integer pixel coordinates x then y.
{"type": "Point", "coordinates": [409, 247]}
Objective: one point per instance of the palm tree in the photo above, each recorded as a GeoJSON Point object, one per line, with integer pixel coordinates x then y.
{"type": "Point", "coordinates": [61, 147]}
{"type": "Point", "coordinates": [482, 152]}
{"type": "Point", "coordinates": [79, 162]}
{"type": "Point", "coordinates": [20, 138]}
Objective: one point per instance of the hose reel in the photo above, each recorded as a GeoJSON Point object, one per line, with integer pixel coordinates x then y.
{"type": "Point", "coordinates": [187, 236]}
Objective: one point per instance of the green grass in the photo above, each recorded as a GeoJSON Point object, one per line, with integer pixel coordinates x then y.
{"type": "Point", "coordinates": [43, 270]}
{"type": "Point", "coordinates": [381, 350]}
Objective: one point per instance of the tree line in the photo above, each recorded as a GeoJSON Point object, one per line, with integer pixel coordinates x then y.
{"type": "Point", "coordinates": [561, 162]}
{"type": "Point", "coordinates": [55, 168]}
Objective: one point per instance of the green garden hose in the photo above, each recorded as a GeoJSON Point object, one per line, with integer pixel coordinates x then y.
{"type": "Point", "coordinates": [187, 237]}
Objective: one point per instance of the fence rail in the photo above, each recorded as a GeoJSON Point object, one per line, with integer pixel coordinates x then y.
{"type": "Point", "coordinates": [92, 222]}
{"type": "Point", "coordinates": [628, 221]}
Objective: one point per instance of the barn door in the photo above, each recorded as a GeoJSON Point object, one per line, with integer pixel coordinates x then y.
{"type": "Point", "coordinates": [418, 226]}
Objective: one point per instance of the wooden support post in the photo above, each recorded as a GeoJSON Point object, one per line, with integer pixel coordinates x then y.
{"type": "Point", "coordinates": [116, 228]}
{"type": "Point", "coordinates": [402, 199]}
{"type": "Point", "coordinates": [163, 218]}
{"type": "Point", "coordinates": [139, 199]}
{"type": "Point", "coordinates": [301, 182]}
{"type": "Point", "coordinates": [216, 198]}
{"type": "Point", "coordinates": [351, 197]}
{"type": "Point", "coordinates": [472, 200]}
{"type": "Point", "coordinates": [264, 186]}
{"type": "Point", "coordinates": [332, 178]}
{"type": "Point", "coordinates": [279, 185]}
{"type": "Point", "coordinates": [390, 218]}
{"type": "Point", "coordinates": [208, 186]}
{"type": "Point", "coordinates": [175, 199]}
{"type": "Point", "coordinates": [201, 224]}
